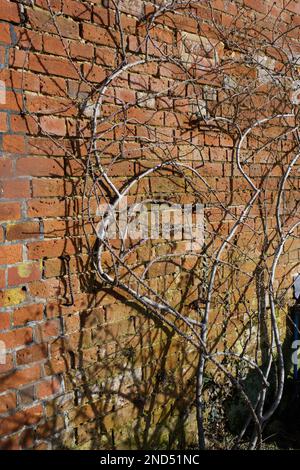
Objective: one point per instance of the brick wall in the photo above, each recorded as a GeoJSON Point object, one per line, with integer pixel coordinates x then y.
{"type": "Point", "coordinates": [94, 371]}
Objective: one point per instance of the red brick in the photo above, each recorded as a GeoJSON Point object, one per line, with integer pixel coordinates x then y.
{"type": "Point", "coordinates": [134, 8]}
{"type": "Point", "coordinates": [22, 231]}
{"type": "Point", "coordinates": [26, 124]}
{"type": "Point", "coordinates": [50, 427]}
{"type": "Point", "coordinates": [43, 187]}
{"type": "Point", "coordinates": [46, 288]}
{"type": "Point", "coordinates": [125, 95]}
{"type": "Point", "coordinates": [44, 146]}
{"type": "Point", "coordinates": [28, 39]}
{"type": "Point", "coordinates": [26, 439]}
{"type": "Point", "coordinates": [10, 211]}
{"type": "Point", "coordinates": [19, 378]}
{"type": "Point", "coordinates": [103, 16]}
{"type": "Point", "coordinates": [54, 45]}
{"type": "Point", "coordinates": [98, 35]}
{"type": "Point", "coordinates": [52, 65]}
{"type": "Point", "coordinates": [81, 51]}
{"type": "Point", "coordinates": [39, 104]}
{"type": "Point", "coordinates": [2, 283]}
{"type": "Point", "coordinates": [18, 58]}
{"type": "Point", "coordinates": [53, 125]}
{"type": "Point", "coordinates": [9, 11]}
{"type": "Point", "coordinates": [77, 9]}
{"type": "Point", "coordinates": [47, 330]}
{"type": "Point", "coordinates": [18, 337]}
{"type": "Point", "coordinates": [30, 313]}
{"type": "Point", "coordinates": [20, 79]}
{"type": "Point", "coordinates": [55, 86]}
{"type": "Point", "coordinates": [14, 189]}
{"type": "Point", "coordinates": [13, 101]}
{"type": "Point", "coordinates": [139, 82]}
{"type": "Point", "coordinates": [42, 21]}
{"type": "Point", "coordinates": [5, 33]}
{"type": "Point", "coordinates": [293, 6]}
{"type": "Point", "coordinates": [6, 169]}
{"type": "Point", "coordinates": [23, 273]}
{"type": "Point", "coordinates": [8, 366]}
{"type": "Point", "coordinates": [49, 248]}
{"type": "Point", "coordinates": [42, 446]}
{"type": "Point", "coordinates": [15, 422]}
{"type": "Point", "coordinates": [7, 402]}
{"type": "Point", "coordinates": [14, 143]}
{"type": "Point", "coordinates": [4, 320]}
{"type": "Point", "coordinates": [10, 254]}
{"type": "Point", "coordinates": [47, 207]}
{"type": "Point", "coordinates": [2, 54]}
{"type": "Point", "coordinates": [39, 166]}
{"type": "Point", "coordinates": [55, 5]}
{"type": "Point", "coordinates": [48, 388]}
{"type": "Point", "coordinates": [3, 122]}
{"type": "Point", "coordinates": [72, 324]}
{"type": "Point", "coordinates": [34, 353]}
{"type": "Point", "coordinates": [94, 73]}
{"type": "Point", "coordinates": [258, 5]}
{"type": "Point", "coordinates": [11, 443]}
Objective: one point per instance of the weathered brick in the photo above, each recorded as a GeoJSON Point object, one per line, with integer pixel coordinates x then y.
{"type": "Point", "coordinates": [36, 166]}
{"type": "Point", "coordinates": [6, 169]}
{"type": "Point", "coordinates": [30, 313]}
{"type": "Point", "coordinates": [4, 320]}
{"type": "Point", "coordinates": [23, 273]}
{"type": "Point", "coordinates": [48, 387]}
{"type": "Point", "coordinates": [43, 21]}
{"type": "Point", "coordinates": [5, 33]}
{"type": "Point", "coordinates": [10, 211]}
{"type": "Point", "coordinates": [81, 51]}
{"type": "Point", "coordinates": [49, 105]}
{"type": "Point", "coordinates": [22, 231]}
{"type": "Point", "coordinates": [47, 208]}
{"type": "Point", "coordinates": [15, 422]}
{"type": "Point", "coordinates": [15, 188]}
{"type": "Point", "coordinates": [77, 9]}
{"type": "Point", "coordinates": [14, 143]}
{"type": "Point", "coordinates": [258, 5]}
{"type": "Point", "coordinates": [54, 86]}
{"type": "Point", "coordinates": [54, 45]}
{"type": "Point", "coordinates": [34, 353]}
{"type": "Point", "coordinates": [9, 11]}
{"type": "Point", "coordinates": [53, 125]}
{"type": "Point", "coordinates": [19, 378]}
{"type": "Point", "coordinates": [10, 443]}
{"type": "Point", "coordinates": [2, 278]}
{"type": "Point", "coordinates": [10, 254]}
{"type": "Point", "coordinates": [12, 297]}
{"type": "Point", "coordinates": [3, 122]}
{"type": "Point", "coordinates": [7, 402]}
{"type": "Point", "coordinates": [47, 187]}
{"type": "Point", "coordinates": [99, 35]}
{"type": "Point", "coordinates": [52, 65]}
{"type": "Point", "coordinates": [19, 337]}
{"type": "Point", "coordinates": [94, 73]}
{"type": "Point", "coordinates": [49, 329]}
